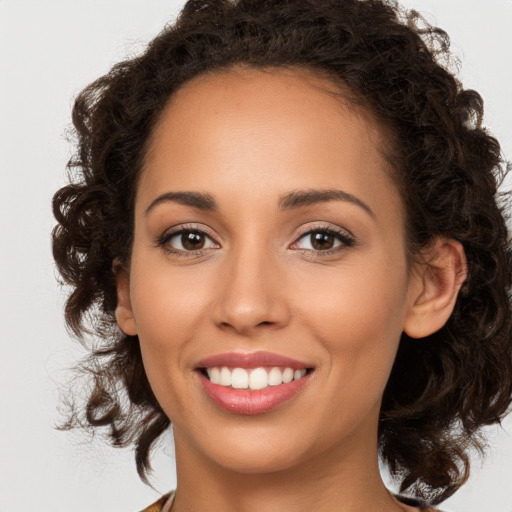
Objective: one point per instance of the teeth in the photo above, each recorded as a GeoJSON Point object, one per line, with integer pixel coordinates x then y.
{"type": "Point", "coordinates": [239, 379]}
{"type": "Point", "coordinates": [214, 374]}
{"type": "Point", "coordinates": [225, 377]}
{"type": "Point", "coordinates": [275, 377]}
{"type": "Point", "coordinates": [287, 375]}
{"type": "Point", "coordinates": [258, 378]}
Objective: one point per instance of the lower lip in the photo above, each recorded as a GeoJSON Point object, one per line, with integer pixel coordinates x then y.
{"type": "Point", "coordinates": [244, 401]}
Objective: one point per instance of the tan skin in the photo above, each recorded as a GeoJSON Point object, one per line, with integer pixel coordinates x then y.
{"type": "Point", "coordinates": [259, 281]}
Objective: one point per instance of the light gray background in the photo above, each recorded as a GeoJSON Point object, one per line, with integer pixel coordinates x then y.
{"type": "Point", "coordinates": [49, 50]}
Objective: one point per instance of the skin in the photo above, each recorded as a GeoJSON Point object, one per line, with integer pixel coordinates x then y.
{"type": "Point", "coordinates": [247, 138]}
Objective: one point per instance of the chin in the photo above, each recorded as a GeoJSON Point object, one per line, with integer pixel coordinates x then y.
{"type": "Point", "coordinates": [249, 448]}
{"type": "Point", "coordinates": [256, 460]}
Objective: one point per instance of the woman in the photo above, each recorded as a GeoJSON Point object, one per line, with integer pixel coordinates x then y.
{"type": "Point", "coordinates": [283, 225]}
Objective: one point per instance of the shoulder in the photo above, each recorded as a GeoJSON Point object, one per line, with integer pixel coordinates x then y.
{"type": "Point", "coordinates": [158, 506]}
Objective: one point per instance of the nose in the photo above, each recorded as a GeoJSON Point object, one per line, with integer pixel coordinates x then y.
{"type": "Point", "coordinates": [251, 296]}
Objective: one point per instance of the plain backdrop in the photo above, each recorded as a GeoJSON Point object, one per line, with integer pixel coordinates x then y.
{"type": "Point", "coordinates": [49, 50]}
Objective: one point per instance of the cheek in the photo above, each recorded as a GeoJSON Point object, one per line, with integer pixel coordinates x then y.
{"type": "Point", "coordinates": [357, 316]}
{"type": "Point", "coordinates": [167, 305]}
{"type": "Point", "coordinates": [169, 312]}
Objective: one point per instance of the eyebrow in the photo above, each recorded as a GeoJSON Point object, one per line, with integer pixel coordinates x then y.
{"type": "Point", "coordinates": [290, 201]}
{"type": "Point", "coordinates": [301, 198]}
{"type": "Point", "coordinates": [193, 199]}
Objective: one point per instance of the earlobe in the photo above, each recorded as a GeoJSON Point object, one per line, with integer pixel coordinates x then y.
{"type": "Point", "coordinates": [124, 312]}
{"type": "Point", "coordinates": [438, 280]}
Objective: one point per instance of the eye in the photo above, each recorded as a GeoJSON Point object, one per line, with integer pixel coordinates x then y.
{"type": "Point", "coordinates": [187, 240]}
{"type": "Point", "coordinates": [323, 240]}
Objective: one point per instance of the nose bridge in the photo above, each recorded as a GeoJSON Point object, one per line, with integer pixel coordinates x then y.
{"type": "Point", "coordinates": [250, 295]}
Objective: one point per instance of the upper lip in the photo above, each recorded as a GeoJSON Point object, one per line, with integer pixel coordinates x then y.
{"type": "Point", "coordinates": [251, 360]}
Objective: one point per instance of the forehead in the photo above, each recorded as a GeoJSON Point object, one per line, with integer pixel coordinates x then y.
{"type": "Point", "coordinates": [263, 131]}
{"type": "Point", "coordinates": [273, 95]}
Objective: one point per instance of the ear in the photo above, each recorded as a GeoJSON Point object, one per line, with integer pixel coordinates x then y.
{"type": "Point", "coordinates": [124, 312]}
{"type": "Point", "coordinates": [436, 284]}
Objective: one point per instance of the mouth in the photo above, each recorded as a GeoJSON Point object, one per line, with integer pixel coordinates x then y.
{"type": "Point", "coordinates": [253, 379]}
{"type": "Point", "coordinates": [252, 383]}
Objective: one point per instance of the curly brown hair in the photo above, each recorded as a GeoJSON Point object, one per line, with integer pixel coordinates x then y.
{"type": "Point", "coordinates": [447, 167]}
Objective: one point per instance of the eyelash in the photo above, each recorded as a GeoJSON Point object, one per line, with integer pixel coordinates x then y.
{"type": "Point", "coordinates": [166, 237]}
{"type": "Point", "coordinates": [346, 241]}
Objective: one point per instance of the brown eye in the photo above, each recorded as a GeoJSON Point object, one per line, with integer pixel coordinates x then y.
{"type": "Point", "coordinates": [187, 240]}
{"type": "Point", "coordinates": [322, 241]}
{"type": "Point", "coordinates": [192, 240]}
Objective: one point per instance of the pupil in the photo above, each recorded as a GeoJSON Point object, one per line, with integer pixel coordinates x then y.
{"type": "Point", "coordinates": [192, 241]}
{"type": "Point", "coordinates": [322, 241]}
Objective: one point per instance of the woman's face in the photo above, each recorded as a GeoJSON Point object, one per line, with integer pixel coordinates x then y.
{"type": "Point", "coordinates": [268, 234]}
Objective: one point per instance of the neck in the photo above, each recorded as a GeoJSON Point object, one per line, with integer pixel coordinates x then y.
{"type": "Point", "coordinates": [347, 479]}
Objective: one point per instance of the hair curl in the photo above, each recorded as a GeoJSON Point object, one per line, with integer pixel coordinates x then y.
{"type": "Point", "coordinates": [448, 168]}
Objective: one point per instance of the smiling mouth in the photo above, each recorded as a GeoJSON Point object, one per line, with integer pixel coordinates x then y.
{"type": "Point", "coordinates": [253, 378]}
{"type": "Point", "coordinates": [252, 383]}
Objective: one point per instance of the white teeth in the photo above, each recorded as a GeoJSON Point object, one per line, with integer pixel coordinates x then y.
{"type": "Point", "coordinates": [225, 377]}
{"type": "Point", "coordinates": [287, 375]}
{"type": "Point", "coordinates": [298, 374]}
{"type": "Point", "coordinates": [258, 378]}
{"type": "Point", "coordinates": [214, 374]}
{"type": "Point", "coordinates": [275, 377]}
{"type": "Point", "coordinates": [239, 378]}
